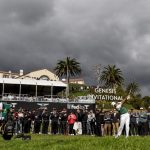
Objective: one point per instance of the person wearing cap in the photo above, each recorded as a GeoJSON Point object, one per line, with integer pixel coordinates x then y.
{"type": "Point", "coordinates": [143, 124]}
{"type": "Point", "coordinates": [124, 116]}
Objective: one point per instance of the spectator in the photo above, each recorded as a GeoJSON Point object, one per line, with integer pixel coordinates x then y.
{"type": "Point", "coordinates": [79, 120]}
{"type": "Point", "coordinates": [27, 122]}
{"type": "Point", "coordinates": [115, 121]}
{"type": "Point", "coordinates": [20, 121]}
{"type": "Point", "coordinates": [71, 120]}
{"type": "Point", "coordinates": [64, 121]}
{"type": "Point", "coordinates": [37, 121]}
{"type": "Point", "coordinates": [84, 122]}
{"type": "Point", "coordinates": [107, 125]}
{"type": "Point", "coordinates": [91, 121]}
{"type": "Point", "coordinates": [98, 123]}
{"type": "Point", "coordinates": [143, 124]}
{"type": "Point", "coordinates": [54, 121]}
{"type": "Point", "coordinates": [45, 121]}
{"type": "Point", "coordinates": [133, 123]}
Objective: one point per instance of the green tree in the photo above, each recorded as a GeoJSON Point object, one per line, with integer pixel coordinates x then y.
{"type": "Point", "coordinates": [137, 101]}
{"type": "Point", "coordinates": [135, 97]}
{"type": "Point", "coordinates": [112, 76]}
{"type": "Point", "coordinates": [67, 68]}
{"type": "Point", "coordinates": [134, 87]}
{"type": "Point", "coordinates": [146, 101]}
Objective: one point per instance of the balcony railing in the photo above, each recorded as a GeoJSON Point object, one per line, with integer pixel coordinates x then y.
{"type": "Point", "coordinates": [46, 98]}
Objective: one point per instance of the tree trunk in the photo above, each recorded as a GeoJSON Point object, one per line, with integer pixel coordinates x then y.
{"type": "Point", "coordinates": [67, 89]}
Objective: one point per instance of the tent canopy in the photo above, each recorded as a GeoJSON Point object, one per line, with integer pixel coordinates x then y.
{"type": "Point", "coordinates": [32, 82]}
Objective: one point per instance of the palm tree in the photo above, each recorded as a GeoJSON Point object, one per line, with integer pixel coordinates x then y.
{"type": "Point", "coordinates": [134, 87]}
{"type": "Point", "coordinates": [112, 76]}
{"type": "Point", "coordinates": [67, 67]}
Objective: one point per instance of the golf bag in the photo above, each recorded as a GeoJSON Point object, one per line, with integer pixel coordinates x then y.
{"type": "Point", "coordinates": [7, 130]}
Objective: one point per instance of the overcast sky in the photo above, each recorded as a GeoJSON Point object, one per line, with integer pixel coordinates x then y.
{"type": "Point", "coordinates": [34, 34]}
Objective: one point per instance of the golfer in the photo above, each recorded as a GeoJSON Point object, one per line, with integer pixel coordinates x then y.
{"type": "Point", "coordinates": [124, 116]}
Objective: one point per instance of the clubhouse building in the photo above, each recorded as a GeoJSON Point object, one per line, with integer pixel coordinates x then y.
{"type": "Point", "coordinates": [40, 87]}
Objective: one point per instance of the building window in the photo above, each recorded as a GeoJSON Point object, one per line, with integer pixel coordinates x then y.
{"type": "Point", "coordinates": [5, 76]}
{"type": "Point", "coordinates": [44, 77]}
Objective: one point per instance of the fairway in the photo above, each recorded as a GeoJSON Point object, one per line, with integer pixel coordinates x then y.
{"type": "Point", "coordinates": [49, 142]}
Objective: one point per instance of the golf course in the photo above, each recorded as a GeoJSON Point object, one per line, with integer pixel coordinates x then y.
{"type": "Point", "coordinates": [58, 142]}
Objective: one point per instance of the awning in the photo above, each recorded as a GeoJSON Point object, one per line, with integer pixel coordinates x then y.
{"type": "Point", "coordinates": [32, 82]}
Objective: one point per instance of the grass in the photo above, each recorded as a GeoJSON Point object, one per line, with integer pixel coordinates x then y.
{"type": "Point", "coordinates": [49, 142]}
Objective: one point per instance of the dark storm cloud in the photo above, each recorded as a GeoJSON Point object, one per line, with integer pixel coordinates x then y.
{"type": "Point", "coordinates": [35, 34]}
{"type": "Point", "coordinates": [25, 12]}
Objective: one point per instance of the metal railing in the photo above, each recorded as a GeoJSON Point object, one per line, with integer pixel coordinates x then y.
{"type": "Point", "coordinates": [46, 98]}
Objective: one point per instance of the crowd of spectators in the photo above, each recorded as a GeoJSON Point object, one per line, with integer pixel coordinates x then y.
{"type": "Point", "coordinates": [79, 122]}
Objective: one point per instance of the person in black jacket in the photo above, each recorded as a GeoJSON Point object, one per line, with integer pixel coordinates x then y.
{"type": "Point", "coordinates": [133, 123]}
{"type": "Point", "coordinates": [63, 121]}
{"type": "Point", "coordinates": [115, 121]}
{"type": "Point", "coordinates": [98, 131]}
{"type": "Point", "coordinates": [27, 122]}
{"type": "Point", "coordinates": [79, 116]}
{"type": "Point", "coordinates": [54, 121]}
{"type": "Point", "coordinates": [101, 120]}
{"type": "Point", "coordinates": [84, 122]}
{"type": "Point", "coordinates": [37, 121]}
{"type": "Point", "coordinates": [45, 121]}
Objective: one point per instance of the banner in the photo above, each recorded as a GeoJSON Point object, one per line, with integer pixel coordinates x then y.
{"type": "Point", "coordinates": [50, 105]}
